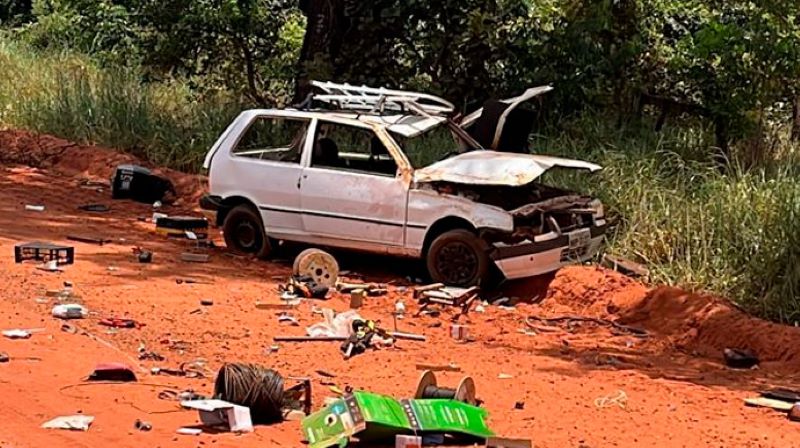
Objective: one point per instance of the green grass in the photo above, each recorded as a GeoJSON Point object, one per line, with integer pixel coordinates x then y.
{"type": "Point", "coordinates": [70, 96]}
{"type": "Point", "coordinates": [737, 235]}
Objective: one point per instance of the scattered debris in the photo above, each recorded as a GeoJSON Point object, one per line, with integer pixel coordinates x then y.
{"type": "Point", "coordinates": [794, 413]}
{"type": "Point", "coordinates": [465, 392]}
{"type": "Point", "coordinates": [303, 286]}
{"type": "Point", "coordinates": [206, 302]}
{"type": "Point", "coordinates": [370, 289]}
{"type": "Point", "coordinates": [144, 256]}
{"type": "Point", "coordinates": [446, 295]}
{"type": "Point", "coordinates": [112, 372]}
{"type": "Point", "coordinates": [504, 376]}
{"type": "Point", "coordinates": [69, 311]}
{"type": "Point", "coordinates": [89, 239]}
{"type": "Point", "coordinates": [325, 374]}
{"type": "Point", "coordinates": [288, 318]}
{"type": "Point", "coordinates": [194, 257]}
{"type": "Point", "coordinates": [740, 358]}
{"type": "Point", "coordinates": [141, 185]}
{"type": "Point", "coordinates": [399, 309]}
{"type": "Point", "coordinates": [519, 405]}
{"type": "Point", "coordinates": [71, 422]}
{"type": "Point", "coordinates": [117, 322]}
{"type": "Point", "coordinates": [192, 281]}
{"type": "Point", "coordinates": [49, 266]}
{"type": "Point", "coordinates": [34, 208]}
{"type": "Point", "coordinates": [762, 402]}
{"type": "Point", "coordinates": [4, 357]}
{"type": "Point", "coordinates": [44, 252]}
{"type": "Point", "coordinates": [407, 441]}
{"type": "Point", "coordinates": [189, 431]}
{"type": "Point", "coordinates": [625, 267]}
{"type": "Point", "coordinates": [317, 264]}
{"type": "Point", "coordinates": [501, 442]}
{"type": "Point", "coordinates": [788, 395]}
{"type": "Point", "coordinates": [357, 298]}
{"type": "Point", "coordinates": [182, 226]}
{"type": "Point", "coordinates": [142, 425]}
{"type": "Point", "coordinates": [221, 414]}
{"type": "Point", "coordinates": [276, 306]}
{"type": "Point", "coordinates": [619, 399]}
{"type": "Point", "coordinates": [365, 411]}
{"type": "Point", "coordinates": [18, 334]}
{"type": "Point", "coordinates": [459, 332]}
{"type": "Point", "coordinates": [96, 208]}
{"type": "Point", "coordinates": [568, 320]}
{"type": "Point", "coordinates": [439, 367]}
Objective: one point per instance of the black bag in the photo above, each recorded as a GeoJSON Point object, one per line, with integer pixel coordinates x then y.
{"type": "Point", "coordinates": [140, 184]}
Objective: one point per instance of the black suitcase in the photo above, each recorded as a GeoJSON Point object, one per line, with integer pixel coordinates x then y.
{"type": "Point", "coordinates": [140, 184]}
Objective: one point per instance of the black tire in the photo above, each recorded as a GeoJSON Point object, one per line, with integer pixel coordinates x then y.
{"type": "Point", "coordinates": [458, 258]}
{"type": "Point", "coordinates": [244, 232]}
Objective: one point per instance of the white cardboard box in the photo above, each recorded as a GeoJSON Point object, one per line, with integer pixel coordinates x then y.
{"type": "Point", "coordinates": [219, 413]}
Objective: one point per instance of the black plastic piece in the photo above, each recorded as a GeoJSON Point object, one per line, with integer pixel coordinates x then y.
{"type": "Point", "coordinates": [39, 251]}
{"type": "Point", "coordinates": [140, 184]}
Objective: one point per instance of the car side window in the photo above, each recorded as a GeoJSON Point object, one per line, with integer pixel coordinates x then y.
{"type": "Point", "coordinates": [278, 139]}
{"type": "Point", "coordinates": [350, 148]}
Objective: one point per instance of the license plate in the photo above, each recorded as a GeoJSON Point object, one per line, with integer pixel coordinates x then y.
{"type": "Point", "coordinates": [579, 239]}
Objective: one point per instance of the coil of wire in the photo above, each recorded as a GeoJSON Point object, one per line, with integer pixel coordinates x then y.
{"type": "Point", "coordinates": [253, 386]}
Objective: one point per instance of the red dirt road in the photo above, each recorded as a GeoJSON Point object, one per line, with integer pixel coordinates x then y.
{"type": "Point", "coordinates": [678, 392]}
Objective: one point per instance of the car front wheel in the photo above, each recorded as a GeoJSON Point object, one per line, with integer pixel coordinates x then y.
{"type": "Point", "coordinates": [244, 232]}
{"type": "Point", "coordinates": [458, 258]}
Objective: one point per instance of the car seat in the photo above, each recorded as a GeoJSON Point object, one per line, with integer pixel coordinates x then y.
{"type": "Point", "coordinates": [327, 153]}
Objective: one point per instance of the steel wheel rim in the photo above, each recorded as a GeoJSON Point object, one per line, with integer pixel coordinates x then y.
{"type": "Point", "coordinates": [457, 263]}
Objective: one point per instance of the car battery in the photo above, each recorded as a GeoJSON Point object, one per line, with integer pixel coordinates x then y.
{"type": "Point", "coordinates": [140, 184]}
{"type": "Point", "coordinates": [179, 226]}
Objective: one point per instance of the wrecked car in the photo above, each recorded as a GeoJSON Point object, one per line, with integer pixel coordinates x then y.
{"type": "Point", "coordinates": [391, 172]}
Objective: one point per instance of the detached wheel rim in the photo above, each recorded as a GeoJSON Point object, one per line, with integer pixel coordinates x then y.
{"type": "Point", "coordinates": [246, 236]}
{"type": "Point", "coordinates": [457, 263]}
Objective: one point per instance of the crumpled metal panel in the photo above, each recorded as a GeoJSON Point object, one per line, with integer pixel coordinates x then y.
{"type": "Point", "coordinates": [495, 168]}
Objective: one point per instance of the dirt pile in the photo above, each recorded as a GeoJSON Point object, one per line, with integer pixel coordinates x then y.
{"type": "Point", "coordinates": [85, 161]}
{"type": "Point", "coordinates": [695, 323]}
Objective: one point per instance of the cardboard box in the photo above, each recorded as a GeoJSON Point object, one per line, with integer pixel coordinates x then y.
{"type": "Point", "coordinates": [219, 413]}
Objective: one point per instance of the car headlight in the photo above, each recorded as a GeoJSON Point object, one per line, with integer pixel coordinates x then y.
{"type": "Point", "coordinates": [597, 207]}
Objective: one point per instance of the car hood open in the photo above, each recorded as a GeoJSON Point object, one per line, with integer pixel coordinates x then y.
{"type": "Point", "coordinates": [495, 168]}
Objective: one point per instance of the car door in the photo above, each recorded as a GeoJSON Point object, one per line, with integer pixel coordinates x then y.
{"type": "Point", "coordinates": [350, 190]}
{"type": "Point", "coordinates": [265, 168]}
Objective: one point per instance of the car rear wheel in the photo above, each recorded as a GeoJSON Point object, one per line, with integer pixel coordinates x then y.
{"type": "Point", "coordinates": [458, 258]}
{"type": "Point", "coordinates": [244, 232]}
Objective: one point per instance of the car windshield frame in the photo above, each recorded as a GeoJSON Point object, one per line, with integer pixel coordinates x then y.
{"type": "Point", "coordinates": [462, 140]}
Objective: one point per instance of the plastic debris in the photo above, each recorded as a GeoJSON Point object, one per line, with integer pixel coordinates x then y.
{"type": "Point", "coordinates": [17, 334]}
{"type": "Point", "coordinates": [34, 208]}
{"type": "Point", "coordinates": [71, 422]}
{"type": "Point", "coordinates": [69, 311]}
{"type": "Point", "coordinates": [189, 431]}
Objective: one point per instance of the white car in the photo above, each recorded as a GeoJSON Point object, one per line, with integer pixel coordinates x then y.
{"type": "Point", "coordinates": [390, 172]}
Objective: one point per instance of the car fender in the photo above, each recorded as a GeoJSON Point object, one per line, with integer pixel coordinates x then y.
{"type": "Point", "coordinates": [426, 207]}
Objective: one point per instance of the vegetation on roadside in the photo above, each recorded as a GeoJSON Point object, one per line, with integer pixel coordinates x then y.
{"type": "Point", "coordinates": [691, 106]}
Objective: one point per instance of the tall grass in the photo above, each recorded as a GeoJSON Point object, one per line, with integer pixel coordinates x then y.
{"type": "Point", "coordinates": [70, 96]}
{"type": "Point", "coordinates": [735, 234]}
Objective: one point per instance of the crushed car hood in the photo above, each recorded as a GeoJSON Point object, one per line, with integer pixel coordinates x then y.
{"type": "Point", "coordinates": [495, 168]}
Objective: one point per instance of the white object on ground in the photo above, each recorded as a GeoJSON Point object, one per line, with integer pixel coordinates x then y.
{"type": "Point", "coordinates": [189, 431]}
{"type": "Point", "coordinates": [69, 311]}
{"type": "Point", "coordinates": [219, 413]}
{"type": "Point", "coordinates": [51, 266]}
{"type": "Point", "coordinates": [334, 324]}
{"type": "Point", "coordinates": [505, 376]}
{"type": "Point", "coordinates": [35, 208]}
{"type": "Point", "coordinates": [17, 334]}
{"type": "Point", "coordinates": [73, 422]}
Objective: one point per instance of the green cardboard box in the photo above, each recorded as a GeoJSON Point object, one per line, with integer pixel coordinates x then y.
{"type": "Point", "coordinates": [373, 417]}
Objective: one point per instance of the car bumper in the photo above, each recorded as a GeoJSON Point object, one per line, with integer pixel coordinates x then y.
{"type": "Point", "coordinates": [535, 258]}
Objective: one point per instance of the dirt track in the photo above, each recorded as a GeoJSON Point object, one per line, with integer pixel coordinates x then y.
{"type": "Point", "coordinates": [678, 393]}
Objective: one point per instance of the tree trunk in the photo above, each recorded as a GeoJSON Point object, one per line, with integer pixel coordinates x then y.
{"type": "Point", "coordinates": [326, 24]}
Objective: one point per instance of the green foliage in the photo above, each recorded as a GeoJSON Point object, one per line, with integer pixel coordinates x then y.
{"type": "Point", "coordinates": [71, 96]}
{"type": "Point", "coordinates": [735, 235]}
{"type": "Point", "coordinates": [14, 12]}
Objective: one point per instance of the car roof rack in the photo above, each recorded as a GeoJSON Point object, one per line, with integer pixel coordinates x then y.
{"type": "Point", "coordinates": [378, 99]}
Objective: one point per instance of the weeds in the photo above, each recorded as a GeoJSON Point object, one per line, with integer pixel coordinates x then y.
{"type": "Point", "coordinates": [68, 95]}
